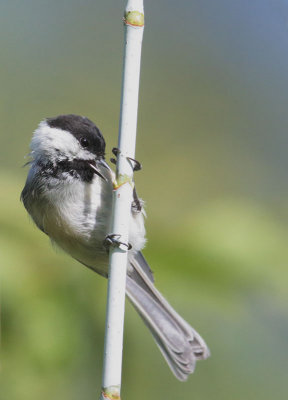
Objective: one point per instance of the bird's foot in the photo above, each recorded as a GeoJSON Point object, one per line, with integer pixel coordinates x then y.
{"type": "Point", "coordinates": [113, 240]}
{"type": "Point", "coordinates": [136, 164]}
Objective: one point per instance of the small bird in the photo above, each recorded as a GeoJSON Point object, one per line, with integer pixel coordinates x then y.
{"type": "Point", "coordinates": [68, 194]}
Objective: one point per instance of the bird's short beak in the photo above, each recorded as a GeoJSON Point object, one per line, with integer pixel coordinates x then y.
{"type": "Point", "coordinates": [100, 162]}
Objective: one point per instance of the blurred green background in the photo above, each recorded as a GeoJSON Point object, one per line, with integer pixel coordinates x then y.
{"type": "Point", "coordinates": [212, 136]}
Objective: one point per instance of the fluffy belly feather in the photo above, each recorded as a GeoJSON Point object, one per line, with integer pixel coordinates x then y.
{"type": "Point", "coordinates": [77, 217]}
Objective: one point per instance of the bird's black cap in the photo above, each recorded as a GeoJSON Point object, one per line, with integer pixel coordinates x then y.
{"type": "Point", "coordinates": [84, 130]}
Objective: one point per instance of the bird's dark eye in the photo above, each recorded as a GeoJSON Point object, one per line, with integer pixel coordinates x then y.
{"type": "Point", "coordinates": [84, 142]}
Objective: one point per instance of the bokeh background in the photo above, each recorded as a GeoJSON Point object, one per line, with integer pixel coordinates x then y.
{"type": "Point", "coordinates": [212, 136]}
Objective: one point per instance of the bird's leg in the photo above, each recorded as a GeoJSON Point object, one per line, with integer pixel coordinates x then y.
{"type": "Point", "coordinates": [115, 151]}
{"type": "Point", "coordinates": [136, 164]}
{"type": "Point", "coordinates": [113, 240]}
{"type": "Point", "coordinates": [136, 203]}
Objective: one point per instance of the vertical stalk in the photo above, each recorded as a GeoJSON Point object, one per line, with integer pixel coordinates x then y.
{"type": "Point", "coordinates": [123, 191]}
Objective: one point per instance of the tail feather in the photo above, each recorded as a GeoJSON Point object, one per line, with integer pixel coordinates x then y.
{"type": "Point", "coordinates": [179, 343]}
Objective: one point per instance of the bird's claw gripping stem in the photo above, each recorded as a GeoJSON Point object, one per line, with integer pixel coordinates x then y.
{"type": "Point", "coordinates": [113, 240]}
{"type": "Point", "coordinates": [136, 164]}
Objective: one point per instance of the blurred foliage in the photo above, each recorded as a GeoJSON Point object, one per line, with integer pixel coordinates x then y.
{"type": "Point", "coordinates": [213, 142]}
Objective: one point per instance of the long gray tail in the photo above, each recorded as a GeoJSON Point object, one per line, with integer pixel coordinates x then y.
{"type": "Point", "coordinates": [179, 343]}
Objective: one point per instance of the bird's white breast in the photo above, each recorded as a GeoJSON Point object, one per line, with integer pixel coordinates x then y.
{"type": "Point", "coordinates": [77, 217]}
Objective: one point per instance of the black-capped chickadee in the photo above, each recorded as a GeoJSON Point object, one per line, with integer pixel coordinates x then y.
{"type": "Point", "coordinates": [68, 194]}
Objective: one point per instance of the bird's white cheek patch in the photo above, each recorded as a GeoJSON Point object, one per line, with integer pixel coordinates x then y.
{"type": "Point", "coordinates": [56, 144]}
